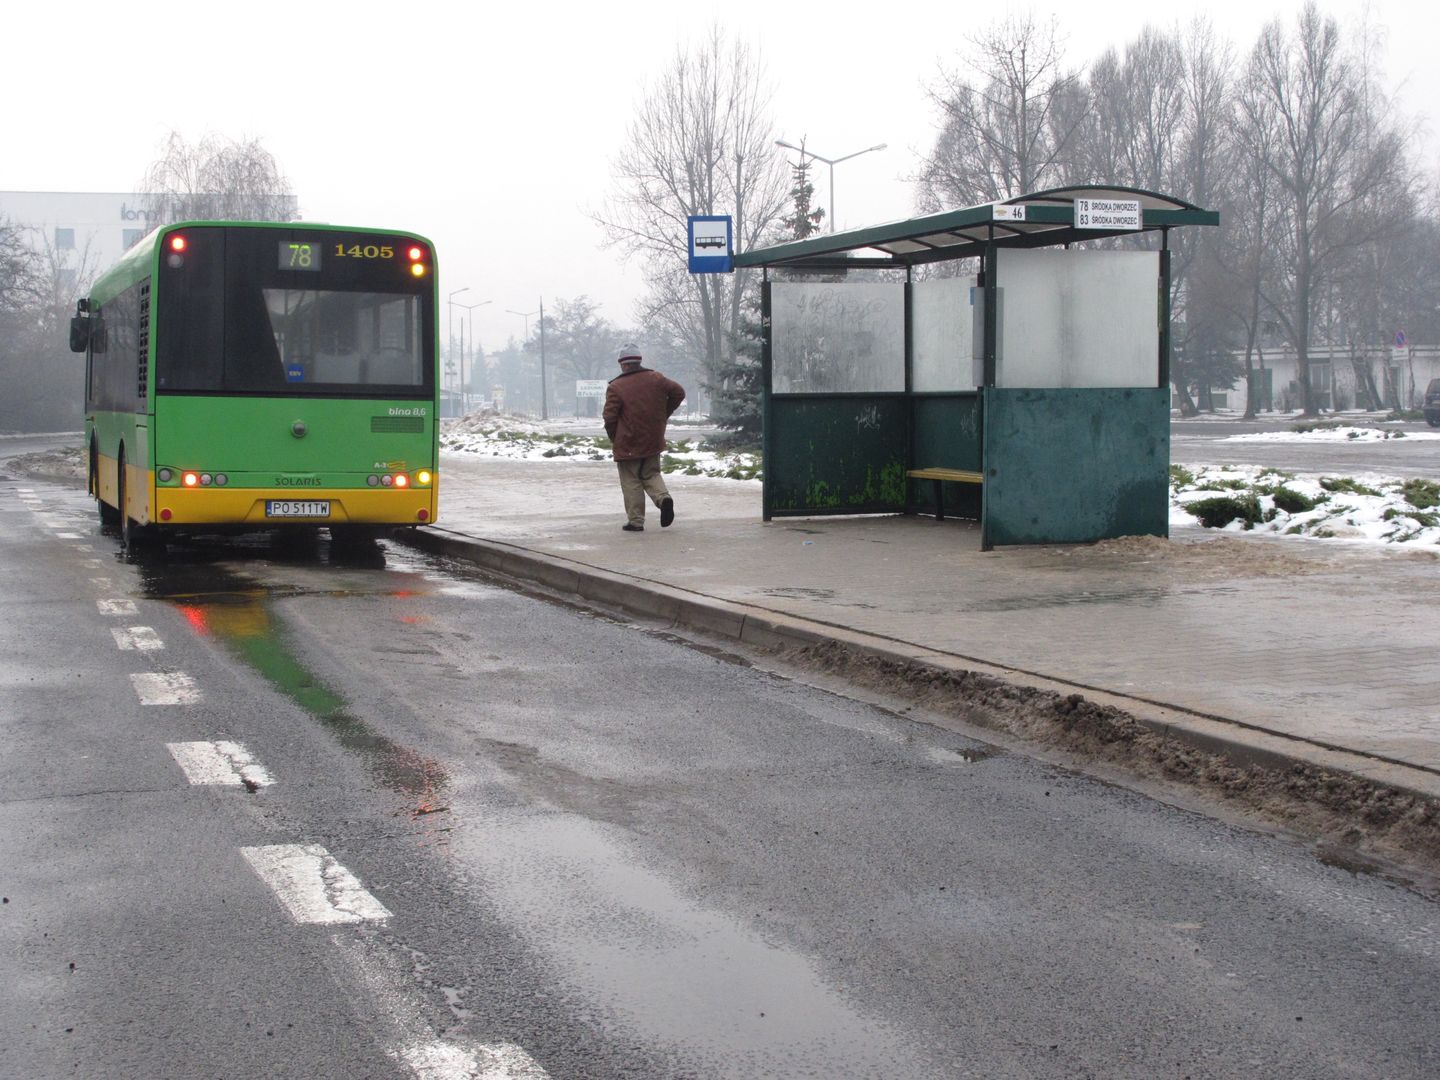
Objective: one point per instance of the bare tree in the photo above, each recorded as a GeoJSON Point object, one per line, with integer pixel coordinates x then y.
{"type": "Point", "coordinates": [42, 376]}
{"type": "Point", "coordinates": [1248, 251]}
{"type": "Point", "coordinates": [1010, 124]}
{"type": "Point", "coordinates": [701, 144]}
{"type": "Point", "coordinates": [1135, 125]}
{"type": "Point", "coordinates": [1341, 178]}
{"type": "Point", "coordinates": [217, 179]}
{"type": "Point", "coordinates": [22, 279]}
{"type": "Point", "coordinates": [1207, 292]}
{"type": "Point", "coordinates": [1370, 278]}
{"type": "Point", "coordinates": [580, 339]}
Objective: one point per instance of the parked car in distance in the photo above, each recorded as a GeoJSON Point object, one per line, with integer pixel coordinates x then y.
{"type": "Point", "coordinates": [1432, 403]}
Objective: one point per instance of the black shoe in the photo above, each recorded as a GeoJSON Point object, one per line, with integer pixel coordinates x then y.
{"type": "Point", "coordinates": [633, 528]}
{"type": "Point", "coordinates": [667, 512]}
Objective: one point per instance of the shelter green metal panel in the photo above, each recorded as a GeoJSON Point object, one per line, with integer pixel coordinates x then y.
{"type": "Point", "coordinates": [836, 455]}
{"type": "Point", "coordinates": [1075, 465]}
{"type": "Point", "coordinates": [946, 433]}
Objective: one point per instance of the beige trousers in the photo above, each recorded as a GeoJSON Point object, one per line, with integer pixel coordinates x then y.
{"type": "Point", "coordinates": [640, 477]}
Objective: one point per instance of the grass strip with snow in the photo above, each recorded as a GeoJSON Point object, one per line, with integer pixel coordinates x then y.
{"type": "Point", "coordinates": [506, 437]}
{"type": "Point", "coordinates": [1377, 509]}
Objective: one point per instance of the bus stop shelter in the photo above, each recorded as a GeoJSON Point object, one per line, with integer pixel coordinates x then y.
{"type": "Point", "coordinates": [986, 363]}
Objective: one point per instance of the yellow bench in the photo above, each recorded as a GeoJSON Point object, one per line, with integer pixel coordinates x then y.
{"type": "Point", "coordinates": [938, 476]}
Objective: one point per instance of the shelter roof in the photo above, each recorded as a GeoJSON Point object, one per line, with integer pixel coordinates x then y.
{"type": "Point", "coordinates": [1040, 219]}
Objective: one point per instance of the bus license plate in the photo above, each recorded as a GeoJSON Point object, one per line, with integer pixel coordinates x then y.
{"type": "Point", "coordinates": [297, 508]}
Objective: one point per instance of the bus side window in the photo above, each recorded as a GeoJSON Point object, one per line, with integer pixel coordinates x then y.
{"type": "Point", "coordinates": [97, 331]}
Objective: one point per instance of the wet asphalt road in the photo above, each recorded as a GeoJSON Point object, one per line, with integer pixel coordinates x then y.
{"type": "Point", "coordinates": [1209, 442]}
{"type": "Point", "coordinates": [604, 854]}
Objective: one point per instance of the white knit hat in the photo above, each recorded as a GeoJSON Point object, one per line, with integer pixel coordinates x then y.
{"type": "Point", "coordinates": [629, 354]}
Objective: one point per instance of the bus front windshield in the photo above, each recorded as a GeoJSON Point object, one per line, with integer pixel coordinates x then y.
{"type": "Point", "coordinates": [235, 320]}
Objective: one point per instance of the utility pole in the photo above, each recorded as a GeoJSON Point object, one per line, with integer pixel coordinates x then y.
{"type": "Point", "coordinates": [544, 394]}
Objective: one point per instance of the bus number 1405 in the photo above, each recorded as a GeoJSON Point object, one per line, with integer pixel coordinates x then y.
{"type": "Point", "coordinates": [369, 251]}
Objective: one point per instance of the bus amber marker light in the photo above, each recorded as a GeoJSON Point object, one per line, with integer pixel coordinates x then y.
{"type": "Point", "coordinates": [422, 477]}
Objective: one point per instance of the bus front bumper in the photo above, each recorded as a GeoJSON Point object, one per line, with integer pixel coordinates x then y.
{"type": "Point", "coordinates": [269, 508]}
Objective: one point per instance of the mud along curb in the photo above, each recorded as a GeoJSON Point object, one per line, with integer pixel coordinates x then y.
{"type": "Point", "coordinates": [1244, 746]}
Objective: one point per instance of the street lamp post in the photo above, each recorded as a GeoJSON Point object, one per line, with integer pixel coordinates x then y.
{"type": "Point", "coordinates": [544, 405]}
{"type": "Point", "coordinates": [832, 162]}
{"type": "Point", "coordinates": [469, 310]}
{"type": "Point", "coordinates": [450, 322]}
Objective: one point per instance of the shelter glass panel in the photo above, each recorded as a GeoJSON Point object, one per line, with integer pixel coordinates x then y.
{"type": "Point", "coordinates": [1082, 319]}
{"type": "Point", "coordinates": [837, 337]}
{"type": "Point", "coordinates": [943, 356]}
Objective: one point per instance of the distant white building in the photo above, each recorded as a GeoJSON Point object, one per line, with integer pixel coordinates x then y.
{"type": "Point", "coordinates": [1341, 377]}
{"type": "Point", "coordinates": [84, 231]}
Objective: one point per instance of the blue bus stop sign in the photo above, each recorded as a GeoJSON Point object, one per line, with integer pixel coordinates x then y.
{"type": "Point", "coordinates": [712, 244]}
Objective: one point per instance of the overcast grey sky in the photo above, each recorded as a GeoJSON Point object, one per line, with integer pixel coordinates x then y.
{"type": "Point", "coordinates": [492, 129]}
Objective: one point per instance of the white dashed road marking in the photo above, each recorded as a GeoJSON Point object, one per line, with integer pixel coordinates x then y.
{"type": "Point", "coordinates": [403, 1026]}
{"type": "Point", "coordinates": [219, 763]}
{"type": "Point", "coordinates": [312, 886]}
{"type": "Point", "coordinates": [68, 536]}
{"type": "Point", "coordinates": [166, 688]}
{"type": "Point", "coordinates": [446, 1061]}
{"type": "Point", "coordinates": [116, 607]}
{"type": "Point", "coordinates": [137, 638]}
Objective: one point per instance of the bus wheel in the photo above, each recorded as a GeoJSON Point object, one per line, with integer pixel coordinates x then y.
{"type": "Point", "coordinates": [132, 534]}
{"type": "Point", "coordinates": [109, 516]}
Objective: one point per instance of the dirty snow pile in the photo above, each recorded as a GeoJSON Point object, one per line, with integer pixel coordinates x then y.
{"type": "Point", "coordinates": [1324, 433]}
{"type": "Point", "coordinates": [508, 437]}
{"type": "Point", "coordinates": [1374, 509]}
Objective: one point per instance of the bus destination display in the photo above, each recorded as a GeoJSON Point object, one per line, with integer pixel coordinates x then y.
{"type": "Point", "coordinates": [299, 255]}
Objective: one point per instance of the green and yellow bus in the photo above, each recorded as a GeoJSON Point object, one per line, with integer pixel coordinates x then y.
{"type": "Point", "coordinates": [255, 375]}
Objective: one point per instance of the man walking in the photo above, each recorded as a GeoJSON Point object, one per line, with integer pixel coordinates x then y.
{"type": "Point", "coordinates": [638, 402]}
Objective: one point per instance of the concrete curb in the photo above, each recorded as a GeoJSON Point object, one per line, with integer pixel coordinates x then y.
{"type": "Point", "coordinates": [1243, 744]}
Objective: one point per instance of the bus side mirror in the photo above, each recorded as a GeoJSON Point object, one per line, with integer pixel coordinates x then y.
{"type": "Point", "coordinates": [79, 333]}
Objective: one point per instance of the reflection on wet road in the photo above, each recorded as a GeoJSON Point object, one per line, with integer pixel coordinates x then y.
{"type": "Point", "coordinates": [236, 611]}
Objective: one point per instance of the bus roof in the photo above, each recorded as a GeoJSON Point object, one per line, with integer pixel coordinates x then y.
{"type": "Point", "coordinates": [139, 261]}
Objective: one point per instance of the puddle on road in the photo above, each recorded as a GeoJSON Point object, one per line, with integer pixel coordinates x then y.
{"type": "Point", "coordinates": [674, 971]}
{"type": "Point", "coordinates": [944, 755]}
{"type": "Point", "coordinates": [236, 612]}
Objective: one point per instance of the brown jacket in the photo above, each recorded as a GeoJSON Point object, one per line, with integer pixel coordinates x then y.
{"type": "Point", "coordinates": [637, 405]}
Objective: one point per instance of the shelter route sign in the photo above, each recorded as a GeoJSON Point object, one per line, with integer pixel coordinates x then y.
{"type": "Point", "coordinates": [1004, 212]}
{"type": "Point", "coordinates": [1107, 214]}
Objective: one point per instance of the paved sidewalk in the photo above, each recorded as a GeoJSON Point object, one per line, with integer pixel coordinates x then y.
{"type": "Point", "coordinates": [1329, 644]}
